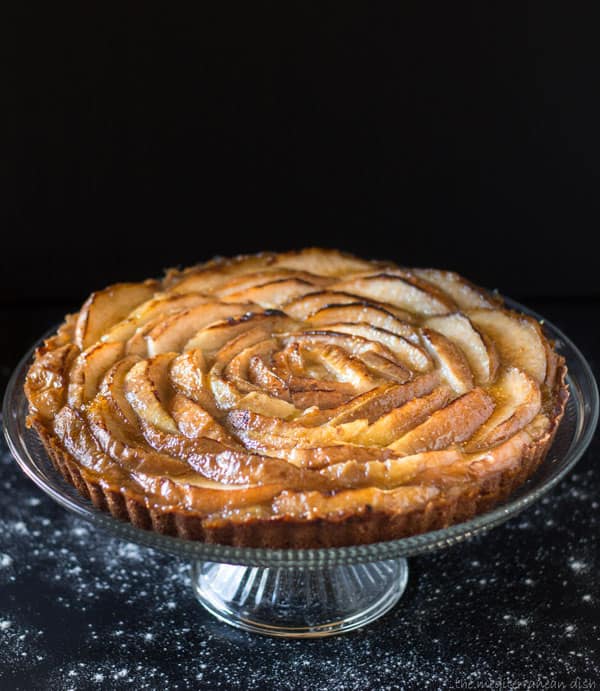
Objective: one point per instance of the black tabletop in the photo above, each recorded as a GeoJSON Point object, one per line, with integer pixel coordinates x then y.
{"type": "Point", "coordinates": [518, 607]}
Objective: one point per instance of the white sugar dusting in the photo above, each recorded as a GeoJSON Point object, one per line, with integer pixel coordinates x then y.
{"type": "Point", "coordinates": [126, 617]}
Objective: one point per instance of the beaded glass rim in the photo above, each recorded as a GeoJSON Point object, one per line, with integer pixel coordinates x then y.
{"type": "Point", "coordinates": [572, 438]}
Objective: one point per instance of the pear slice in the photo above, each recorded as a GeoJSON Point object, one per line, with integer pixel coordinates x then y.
{"type": "Point", "coordinates": [385, 368]}
{"type": "Point", "coordinates": [247, 424]}
{"type": "Point", "coordinates": [317, 457]}
{"type": "Point", "coordinates": [465, 294]}
{"type": "Point", "coordinates": [364, 313]}
{"type": "Point", "coordinates": [225, 392]}
{"type": "Point", "coordinates": [478, 348]}
{"type": "Point", "coordinates": [373, 404]}
{"type": "Point", "coordinates": [237, 369]}
{"type": "Point", "coordinates": [388, 473]}
{"type": "Point", "coordinates": [403, 291]}
{"type": "Point", "coordinates": [518, 401]}
{"type": "Point", "coordinates": [453, 424]}
{"type": "Point", "coordinates": [106, 307]}
{"type": "Point", "coordinates": [194, 421]}
{"type": "Point", "coordinates": [47, 380]}
{"type": "Point", "coordinates": [125, 444]}
{"type": "Point", "coordinates": [407, 353]}
{"type": "Point", "coordinates": [206, 278]}
{"type": "Point", "coordinates": [397, 501]}
{"type": "Point", "coordinates": [71, 428]}
{"type": "Point", "coordinates": [517, 337]}
{"type": "Point", "coordinates": [205, 497]}
{"type": "Point", "coordinates": [189, 377]}
{"type": "Point", "coordinates": [247, 282]}
{"type": "Point", "coordinates": [261, 372]}
{"type": "Point", "coordinates": [355, 345]}
{"type": "Point", "coordinates": [218, 462]}
{"type": "Point", "coordinates": [258, 402]}
{"type": "Point", "coordinates": [399, 421]}
{"type": "Point", "coordinates": [273, 294]}
{"type": "Point", "coordinates": [311, 303]}
{"type": "Point", "coordinates": [158, 307]}
{"type": "Point", "coordinates": [88, 370]}
{"type": "Point", "coordinates": [147, 389]}
{"type": "Point", "coordinates": [454, 366]}
{"type": "Point", "coordinates": [214, 336]}
{"type": "Point", "coordinates": [322, 262]}
{"type": "Point", "coordinates": [113, 389]}
{"type": "Point", "coordinates": [172, 333]}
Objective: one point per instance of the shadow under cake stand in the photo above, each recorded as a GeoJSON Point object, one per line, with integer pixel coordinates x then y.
{"type": "Point", "coordinates": [312, 592]}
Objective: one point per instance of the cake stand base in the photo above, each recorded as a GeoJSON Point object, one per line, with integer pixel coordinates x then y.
{"type": "Point", "coordinates": [299, 602]}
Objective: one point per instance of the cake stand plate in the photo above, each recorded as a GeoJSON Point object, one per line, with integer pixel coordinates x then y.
{"type": "Point", "coordinates": [312, 592]}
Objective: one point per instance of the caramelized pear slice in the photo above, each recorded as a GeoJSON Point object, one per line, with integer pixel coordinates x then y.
{"type": "Point", "coordinates": [270, 406]}
{"type": "Point", "coordinates": [158, 307]}
{"type": "Point", "coordinates": [47, 379]}
{"type": "Point", "coordinates": [354, 345]}
{"type": "Point", "coordinates": [221, 463]}
{"type": "Point", "coordinates": [206, 278]}
{"type": "Point", "coordinates": [322, 262]}
{"type": "Point", "coordinates": [401, 291]}
{"type": "Point", "coordinates": [478, 349]}
{"type": "Point", "coordinates": [465, 294]}
{"type": "Point", "coordinates": [188, 376]}
{"type": "Point", "coordinates": [373, 404]}
{"type": "Point", "coordinates": [307, 305]}
{"type": "Point", "coordinates": [247, 424]}
{"type": "Point", "coordinates": [215, 336]}
{"type": "Point", "coordinates": [399, 421]}
{"type": "Point", "coordinates": [88, 370]}
{"type": "Point", "coordinates": [106, 307]}
{"type": "Point", "coordinates": [225, 393]}
{"type": "Point", "coordinates": [125, 444]}
{"type": "Point", "coordinates": [148, 391]}
{"type": "Point", "coordinates": [519, 339]}
{"type": "Point", "coordinates": [194, 421]}
{"type": "Point", "coordinates": [273, 294]}
{"type": "Point", "coordinates": [172, 333]}
{"type": "Point", "coordinates": [453, 364]}
{"type": "Point", "coordinates": [453, 424]}
{"type": "Point", "coordinates": [407, 353]}
{"type": "Point", "coordinates": [353, 501]}
{"type": "Point", "coordinates": [518, 401]}
{"type": "Point", "coordinates": [364, 313]}
{"type": "Point", "coordinates": [388, 473]}
{"type": "Point", "coordinates": [72, 429]}
{"type": "Point", "coordinates": [239, 365]}
{"type": "Point", "coordinates": [113, 389]}
{"type": "Point", "coordinates": [317, 457]}
{"type": "Point", "coordinates": [247, 282]}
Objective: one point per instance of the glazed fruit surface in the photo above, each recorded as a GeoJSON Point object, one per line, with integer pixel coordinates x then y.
{"type": "Point", "coordinates": [302, 399]}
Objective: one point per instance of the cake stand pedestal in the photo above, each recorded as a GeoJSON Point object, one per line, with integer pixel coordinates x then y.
{"type": "Point", "coordinates": [299, 601]}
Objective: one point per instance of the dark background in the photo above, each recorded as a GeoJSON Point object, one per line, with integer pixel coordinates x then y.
{"type": "Point", "coordinates": [460, 135]}
{"type": "Point", "coordinates": [463, 135]}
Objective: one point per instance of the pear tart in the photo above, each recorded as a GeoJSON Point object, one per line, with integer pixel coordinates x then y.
{"type": "Point", "coordinates": [306, 399]}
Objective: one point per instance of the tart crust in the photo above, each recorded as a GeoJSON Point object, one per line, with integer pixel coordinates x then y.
{"type": "Point", "coordinates": [341, 530]}
{"type": "Point", "coordinates": [491, 477]}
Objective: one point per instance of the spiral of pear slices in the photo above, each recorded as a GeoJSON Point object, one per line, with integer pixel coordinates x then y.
{"type": "Point", "coordinates": [299, 386]}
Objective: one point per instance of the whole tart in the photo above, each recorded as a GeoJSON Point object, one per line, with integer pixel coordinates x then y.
{"type": "Point", "coordinates": [305, 399]}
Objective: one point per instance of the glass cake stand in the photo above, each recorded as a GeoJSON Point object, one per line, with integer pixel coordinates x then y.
{"type": "Point", "coordinates": [312, 592]}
